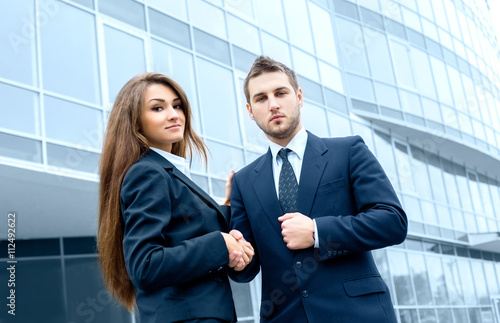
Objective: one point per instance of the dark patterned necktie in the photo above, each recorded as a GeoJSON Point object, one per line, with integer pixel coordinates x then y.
{"type": "Point", "coordinates": [288, 186]}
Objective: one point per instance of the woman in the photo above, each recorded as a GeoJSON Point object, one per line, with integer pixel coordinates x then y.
{"type": "Point", "coordinates": [161, 238]}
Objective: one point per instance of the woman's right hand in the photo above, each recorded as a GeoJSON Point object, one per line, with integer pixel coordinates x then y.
{"type": "Point", "coordinates": [240, 251]}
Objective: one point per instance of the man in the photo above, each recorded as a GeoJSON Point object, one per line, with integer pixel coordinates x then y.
{"type": "Point", "coordinates": [313, 213]}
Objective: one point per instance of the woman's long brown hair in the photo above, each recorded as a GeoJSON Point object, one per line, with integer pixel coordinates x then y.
{"type": "Point", "coordinates": [124, 144]}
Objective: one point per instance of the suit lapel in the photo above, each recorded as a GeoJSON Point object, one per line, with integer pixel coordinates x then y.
{"type": "Point", "coordinates": [188, 182]}
{"type": "Point", "coordinates": [263, 183]}
{"type": "Point", "coordinates": [313, 166]}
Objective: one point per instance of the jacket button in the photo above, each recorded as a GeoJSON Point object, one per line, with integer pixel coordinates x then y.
{"type": "Point", "coordinates": [298, 264]}
{"type": "Point", "coordinates": [305, 294]}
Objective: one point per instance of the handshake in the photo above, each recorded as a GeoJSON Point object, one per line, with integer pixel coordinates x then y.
{"type": "Point", "coordinates": [240, 251]}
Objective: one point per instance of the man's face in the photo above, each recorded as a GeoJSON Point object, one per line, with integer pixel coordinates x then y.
{"type": "Point", "coordinates": [275, 106]}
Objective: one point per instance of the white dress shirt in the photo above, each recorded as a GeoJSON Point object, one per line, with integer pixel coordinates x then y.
{"type": "Point", "coordinates": [180, 163]}
{"type": "Point", "coordinates": [298, 147]}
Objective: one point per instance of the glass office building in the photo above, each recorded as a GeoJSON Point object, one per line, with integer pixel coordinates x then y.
{"type": "Point", "coordinates": [417, 79]}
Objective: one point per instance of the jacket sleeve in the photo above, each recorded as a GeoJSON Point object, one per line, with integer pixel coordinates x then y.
{"type": "Point", "coordinates": [151, 260]}
{"type": "Point", "coordinates": [380, 221]}
{"type": "Point", "coordinates": [239, 221]}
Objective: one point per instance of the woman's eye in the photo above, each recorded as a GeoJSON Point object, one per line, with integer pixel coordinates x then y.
{"type": "Point", "coordinates": [178, 106]}
{"type": "Point", "coordinates": [157, 108]}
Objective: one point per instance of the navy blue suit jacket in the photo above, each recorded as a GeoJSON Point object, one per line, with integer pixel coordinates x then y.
{"type": "Point", "coordinates": [343, 187]}
{"type": "Point", "coordinates": [172, 244]}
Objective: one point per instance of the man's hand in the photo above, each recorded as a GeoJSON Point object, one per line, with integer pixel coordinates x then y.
{"type": "Point", "coordinates": [297, 230]}
{"type": "Point", "coordinates": [240, 251]}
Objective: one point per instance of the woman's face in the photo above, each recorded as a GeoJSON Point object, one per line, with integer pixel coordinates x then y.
{"type": "Point", "coordinates": [162, 119]}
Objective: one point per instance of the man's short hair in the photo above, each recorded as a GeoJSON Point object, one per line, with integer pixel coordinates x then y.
{"type": "Point", "coordinates": [265, 64]}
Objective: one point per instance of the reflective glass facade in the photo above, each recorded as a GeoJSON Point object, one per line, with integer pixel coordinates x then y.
{"type": "Point", "coordinates": [418, 80]}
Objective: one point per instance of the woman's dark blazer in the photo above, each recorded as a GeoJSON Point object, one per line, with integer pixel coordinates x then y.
{"type": "Point", "coordinates": [173, 247]}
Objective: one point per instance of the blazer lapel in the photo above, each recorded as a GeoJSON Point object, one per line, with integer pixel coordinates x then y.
{"type": "Point", "coordinates": [263, 183]}
{"type": "Point", "coordinates": [188, 182]}
{"type": "Point", "coordinates": [313, 166]}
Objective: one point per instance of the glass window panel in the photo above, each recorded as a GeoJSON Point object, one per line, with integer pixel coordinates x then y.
{"type": "Point", "coordinates": [270, 13]}
{"type": "Point", "coordinates": [411, 102]}
{"type": "Point", "coordinates": [380, 257]}
{"type": "Point", "coordinates": [331, 77]}
{"type": "Point", "coordinates": [444, 315]}
{"type": "Point", "coordinates": [379, 57]}
{"type": "Point", "coordinates": [178, 65]}
{"type": "Point", "coordinates": [66, 157]}
{"type": "Point", "coordinates": [305, 64]}
{"type": "Point", "coordinates": [128, 11]}
{"type": "Point", "coordinates": [495, 197]}
{"type": "Point", "coordinates": [474, 191]}
{"type": "Point", "coordinates": [431, 110]}
{"type": "Point", "coordinates": [323, 34]}
{"type": "Point", "coordinates": [480, 282]}
{"type": "Point", "coordinates": [491, 274]}
{"type": "Point", "coordinates": [422, 72]}
{"type": "Point", "coordinates": [243, 34]}
{"type": "Point", "coordinates": [40, 275]}
{"type": "Point", "coordinates": [243, 59]}
{"type": "Point", "coordinates": [218, 102]}
{"type": "Point", "coordinates": [276, 49]}
{"type": "Point", "coordinates": [451, 185]}
{"type": "Point", "coordinates": [373, 5]}
{"type": "Point", "coordinates": [437, 281]}
{"type": "Point", "coordinates": [445, 39]}
{"type": "Point", "coordinates": [449, 116]}
{"type": "Point", "coordinates": [460, 315]}
{"type": "Point", "coordinates": [223, 159]}
{"type": "Point", "coordinates": [372, 19]}
{"type": "Point", "coordinates": [218, 187]}
{"type": "Point", "coordinates": [19, 109]}
{"type": "Point", "coordinates": [339, 126]}
{"type": "Point", "coordinates": [20, 148]}
{"type": "Point", "coordinates": [169, 28]}
{"type": "Point", "coordinates": [360, 87]}
{"type": "Point", "coordinates": [59, 72]}
{"type": "Point", "coordinates": [311, 90]}
{"type": "Point", "coordinates": [435, 172]}
{"type": "Point", "coordinates": [87, 297]}
{"type": "Point", "coordinates": [456, 86]}
{"type": "Point", "coordinates": [211, 46]}
{"type": "Point", "coordinates": [385, 156]}
{"type": "Point", "coordinates": [486, 197]}
{"type": "Point", "coordinates": [427, 315]}
{"type": "Point", "coordinates": [244, 8]}
{"type": "Point", "coordinates": [404, 168]}
{"type": "Point", "coordinates": [346, 8]}
{"type": "Point", "coordinates": [411, 19]}
{"type": "Point", "coordinates": [201, 181]}
{"type": "Point", "coordinates": [453, 281]}
{"type": "Point", "coordinates": [452, 18]}
{"type": "Point", "coordinates": [467, 281]}
{"type": "Point", "coordinates": [82, 125]}
{"type": "Point", "coordinates": [402, 65]}
{"type": "Point", "coordinates": [176, 8]}
{"type": "Point", "coordinates": [420, 173]}
{"type": "Point", "coordinates": [408, 316]}
{"type": "Point", "coordinates": [242, 299]}
{"type": "Point", "coordinates": [387, 95]}
{"type": "Point", "coordinates": [18, 41]}
{"type": "Point", "coordinates": [124, 59]}
{"type": "Point", "coordinates": [463, 187]}
{"type": "Point", "coordinates": [425, 9]}
{"type": "Point", "coordinates": [420, 279]}
{"type": "Point", "coordinates": [207, 17]}
{"type": "Point", "coordinates": [401, 278]}
{"type": "Point", "coordinates": [336, 101]}
{"type": "Point", "coordinates": [298, 25]}
{"type": "Point", "coordinates": [440, 12]}
{"type": "Point", "coordinates": [430, 29]}
{"type": "Point", "coordinates": [391, 9]}
{"type": "Point", "coordinates": [352, 46]}
{"type": "Point", "coordinates": [412, 208]}
{"type": "Point", "coordinates": [439, 72]}
{"type": "Point", "coordinates": [314, 119]}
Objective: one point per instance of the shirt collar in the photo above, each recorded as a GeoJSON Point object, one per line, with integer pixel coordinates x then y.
{"type": "Point", "coordinates": [297, 145]}
{"type": "Point", "coordinates": [179, 162]}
